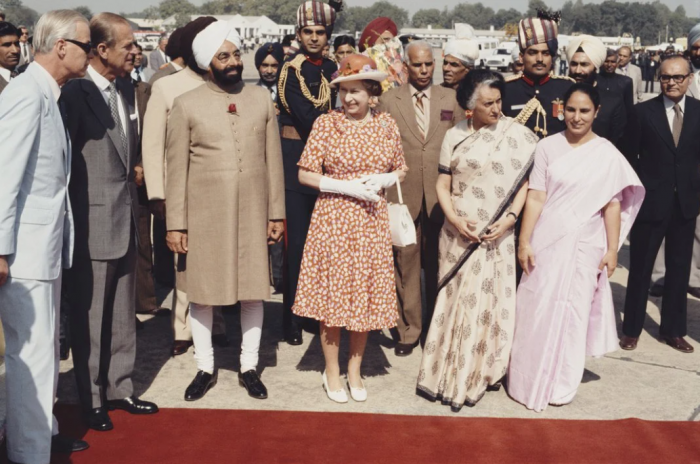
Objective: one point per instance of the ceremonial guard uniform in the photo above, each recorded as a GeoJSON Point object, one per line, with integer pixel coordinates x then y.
{"type": "Point", "coordinates": [538, 105]}
{"type": "Point", "coordinates": [537, 101]}
{"type": "Point", "coordinates": [304, 94]}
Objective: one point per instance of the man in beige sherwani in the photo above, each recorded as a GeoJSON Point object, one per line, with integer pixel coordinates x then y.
{"type": "Point", "coordinates": [163, 93]}
{"type": "Point", "coordinates": [225, 196]}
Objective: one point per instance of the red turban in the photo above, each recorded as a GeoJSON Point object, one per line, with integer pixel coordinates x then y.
{"type": "Point", "coordinates": [374, 30]}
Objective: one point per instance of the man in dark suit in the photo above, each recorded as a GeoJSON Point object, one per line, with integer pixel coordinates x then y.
{"type": "Point", "coordinates": [609, 80]}
{"type": "Point", "coordinates": [424, 112]}
{"type": "Point", "coordinates": [585, 54]}
{"type": "Point", "coordinates": [9, 53]}
{"type": "Point", "coordinates": [662, 145]}
{"type": "Point", "coordinates": [103, 126]}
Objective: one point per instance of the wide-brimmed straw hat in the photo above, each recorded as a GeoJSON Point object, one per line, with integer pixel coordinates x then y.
{"type": "Point", "coordinates": [358, 68]}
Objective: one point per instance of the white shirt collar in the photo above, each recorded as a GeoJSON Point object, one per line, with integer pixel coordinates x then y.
{"type": "Point", "coordinates": [100, 81]}
{"type": "Point", "coordinates": [425, 91]}
{"type": "Point", "coordinates": [176, 66]}
{"type": "Point", "coordinates": [668, 104]}
{"type": "Point", "coordinates": [55, 89]}
{"type": "Point", "coordinates": [5, 73]}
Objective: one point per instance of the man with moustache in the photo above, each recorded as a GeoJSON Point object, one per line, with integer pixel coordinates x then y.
{"type": "Point", "coordinates": [460, 56]}
{"type": "Point", "coordinates": [140, 73]}
{"type": "Point", "coordinates": [304, 94]}
{"type": "Point", "coordinates": [9, 55]}
{"type": "Point", "coordinates": [536, 97]}
{"type": "Point", "coordinates": [268, 60]}
{"type": "Point", "coordinates": [663, 146]}
{"type": "Point", "coordinates": [626, 68]}
{"type": "Point", "coordinates": [225, 196]}
{"type": "Point", "coordinates": [103, 126]}
{"type": "Point", "coordinates": [36, 233]}
{"type": "Point", "coordinates": [163, 94]}
{"type": "Point", "coordinates": [608, 80]}
{"type": "Point", "coordinates": [585, 55]}
{"type": "Point", "coordinates": [424, 112]}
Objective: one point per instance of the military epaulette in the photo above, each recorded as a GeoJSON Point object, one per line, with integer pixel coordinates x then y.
{"type": "Point", "coordinates": [514, 77]}
{"type": "Point", "coordinates": [297, 62]}
{"type": "Point", "coordinates": [566, 78]}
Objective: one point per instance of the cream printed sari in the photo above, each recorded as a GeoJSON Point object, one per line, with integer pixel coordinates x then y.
{"type": "Point", "coordinates": [468, 345]}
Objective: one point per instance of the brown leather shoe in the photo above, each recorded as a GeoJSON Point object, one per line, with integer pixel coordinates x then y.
{"type": "Point", "coordinates": [678, 343]}
{"type": "Point", "coordinates": [656, 290]}
{"type": "Point", "coordinates": [694, 291]}
{"type": "Point", "coordinates": [628, 343]}
{"type": "Point", "coordinates": [181, 347]}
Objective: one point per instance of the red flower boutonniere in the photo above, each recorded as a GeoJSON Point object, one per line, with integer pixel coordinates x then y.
{"type": "Point", "coordinates": [232, 108]}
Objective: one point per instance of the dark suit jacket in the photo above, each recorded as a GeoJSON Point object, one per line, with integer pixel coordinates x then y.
{"type": "Point", "coordinates": [102, 188]}
{"type": "Point", "coordinates": [620, 85]}
{"type": "Point", "coordinates": [422, 156]}
{"type": "Point", "coordinates": [662, 167]}
{"type": "Point", "coordinates": [137, 94]}
{"type": "Point", "coordinates": [3, 84]}
{"type": "Point", "coordinates": [612, 116]}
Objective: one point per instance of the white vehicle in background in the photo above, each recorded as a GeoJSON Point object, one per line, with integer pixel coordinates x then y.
{"type": "Point", "coordinates": [487, 47]}
{"type": "Point", "coordinates": [148, 42]}
{"type": "Point", "coordinates": [502, 58]}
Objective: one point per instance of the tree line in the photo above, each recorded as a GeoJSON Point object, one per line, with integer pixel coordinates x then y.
{"type": "Point", "coordinates": [653, 22]}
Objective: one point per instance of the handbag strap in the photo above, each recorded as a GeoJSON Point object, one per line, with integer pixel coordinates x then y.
{"type": "Point", "coordinates": [398, 189]}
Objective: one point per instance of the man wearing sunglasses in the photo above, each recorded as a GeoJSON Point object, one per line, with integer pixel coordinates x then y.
{"type": "Point", "coordinates": [662, 145]}
{"type": "Point", "coordinates": [103, 125]}
{"type": "Point", "coordinates": [26, 54]}
{"type": "Point", "coordinates": [36, 234]}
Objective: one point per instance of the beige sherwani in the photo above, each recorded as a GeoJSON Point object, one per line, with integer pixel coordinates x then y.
{"type": "Point", "coordinates": [225, 181]}
{"type": "Point", "coordinates": [163, 94]}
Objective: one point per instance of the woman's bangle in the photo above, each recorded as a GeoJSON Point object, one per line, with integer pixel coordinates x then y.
{"type": "Point", "coordinates": [515, 216]}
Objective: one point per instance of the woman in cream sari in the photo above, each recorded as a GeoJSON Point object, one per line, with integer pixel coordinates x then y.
{"type": "Point", "coordinates": [481, 188]}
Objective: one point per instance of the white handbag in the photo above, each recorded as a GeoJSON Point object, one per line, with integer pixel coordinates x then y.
{"type": "Point", "coordinates": [403, 230]}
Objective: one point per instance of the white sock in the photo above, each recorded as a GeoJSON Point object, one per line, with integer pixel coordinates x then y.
{"type": "Point", "coordinates": [202, 320]}
{"type": "Point", "coordinates": [252, 314]}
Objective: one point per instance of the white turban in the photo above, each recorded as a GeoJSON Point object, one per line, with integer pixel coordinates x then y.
{"type": "Point", "coordinates": [694, 35]}
{"type": "Point", "coordinates": [463, 46]}
{"type": "Point", "coordinates": [208, 42]}
{"type": "Point", "coordinates": [593, 47]}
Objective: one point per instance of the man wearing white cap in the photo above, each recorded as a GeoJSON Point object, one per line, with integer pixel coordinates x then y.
{"type": "Point", "coordinates": [225, 197]}
{"type": "Point", "coordinates": [461, 54]}
{"type": "Point", "coordinates": [586, 55]}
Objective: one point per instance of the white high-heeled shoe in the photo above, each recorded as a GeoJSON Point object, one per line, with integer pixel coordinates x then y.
{"type": "Point", "coordinates": [339, 396]}
{"type": "Point", "coordinates": [358, 394]}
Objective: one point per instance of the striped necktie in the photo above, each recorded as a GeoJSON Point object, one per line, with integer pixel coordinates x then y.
{"type": "Point", "coordinates": [420, 113]}
{"type": "Point", "coordinates": [114, 108]}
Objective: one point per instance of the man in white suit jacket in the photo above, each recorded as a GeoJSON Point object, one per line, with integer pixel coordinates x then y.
{"type": "Point", "coordinates": [36, 233]}
{"type": "Point", "coordinates": [630, 70]}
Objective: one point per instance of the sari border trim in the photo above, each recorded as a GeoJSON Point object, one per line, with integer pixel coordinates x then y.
{"type": "Point", "coordinates": [448, 401]}
{"type": "Point", "coordinates": [499, 211]}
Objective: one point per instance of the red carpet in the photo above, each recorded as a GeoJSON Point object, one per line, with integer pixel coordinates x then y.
{"type": "Point", "coordinates": [193, 436]}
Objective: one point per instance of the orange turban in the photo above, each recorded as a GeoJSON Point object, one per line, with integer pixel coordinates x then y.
{"type": "Point", "coordinates": [374, 30]}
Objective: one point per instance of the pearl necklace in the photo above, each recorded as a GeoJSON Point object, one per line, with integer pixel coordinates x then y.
{"type": "Point", "coordinates": [360, 122]}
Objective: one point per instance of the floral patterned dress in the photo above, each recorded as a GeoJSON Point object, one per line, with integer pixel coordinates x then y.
{"type": "Point", "coordinates": [347, 272]}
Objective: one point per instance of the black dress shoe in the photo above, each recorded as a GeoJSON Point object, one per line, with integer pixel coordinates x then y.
{"type": "Point", "coordinates": [221, 340]}
{"type": "Point", "coordinates": [133, 405]}
{"type": "Point", "coordinates": [66, 445]}
{"type": "Point", "coordinates": [202, 383]}
{"type": "Point", "coordinates": [98, 419]}
{"type": "Point", "coordinates": [694, 291]}
{"type": "Point", "coordinates": [251, 381]}
{"type": "Point", "coordinates": [656, 291]}
{"type": "Point", "coordinates": [64, 350]}
{"type": "Point", "coordinates": [294, 337]}
{"type": "Point", "coordinates": [181, 347]}
{"type": "Point", "coordinates": [404, 349]}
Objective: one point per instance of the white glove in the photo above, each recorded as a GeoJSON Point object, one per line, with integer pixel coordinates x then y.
{"type": "Point", "coordinates": [381, 181]}
{"type": "Point", "coordinates": [352, 188]}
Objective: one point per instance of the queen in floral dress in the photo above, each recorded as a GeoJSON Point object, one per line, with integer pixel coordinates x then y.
{"type": "Point", "coordinates": [347, 272]}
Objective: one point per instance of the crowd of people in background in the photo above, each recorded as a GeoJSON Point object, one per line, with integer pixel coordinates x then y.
{"type": "Point", "coordinates": [480, 218]}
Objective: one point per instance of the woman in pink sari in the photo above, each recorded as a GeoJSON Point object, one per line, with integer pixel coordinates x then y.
{"type": "Point", "coordinates": [583, 199]}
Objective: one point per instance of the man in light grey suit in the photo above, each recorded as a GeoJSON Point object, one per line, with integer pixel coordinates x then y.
{"type": "Point", "coordinates": [36, 233]}
{"type": "Point", "coordinates": [630, 70]}
{"type": "Point", "coordinates": [657, 277]}
{"type": "Point", "coordinates": [158, 57]}
{"type": "Point", "coordinates": [103, 126]}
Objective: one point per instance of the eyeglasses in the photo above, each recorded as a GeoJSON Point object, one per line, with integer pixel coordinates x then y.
{"type": "Point", "coordinates": [84, 46]}
{"type": "Point", "coordinates": [678, 78]}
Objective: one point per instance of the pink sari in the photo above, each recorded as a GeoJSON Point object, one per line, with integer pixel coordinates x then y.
{"type": "Point", "coordinates": [564, 308]}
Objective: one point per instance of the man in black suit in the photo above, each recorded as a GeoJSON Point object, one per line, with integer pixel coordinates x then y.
{"type": "Point", "coordinates": [608, 79]}
{"type": "Point", "coordinates": [663, 146]}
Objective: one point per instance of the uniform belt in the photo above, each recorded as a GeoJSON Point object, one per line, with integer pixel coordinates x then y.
{"type": "Point", "coordinates": [290, 132]}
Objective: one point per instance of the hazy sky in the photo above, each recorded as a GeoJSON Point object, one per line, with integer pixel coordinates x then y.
{"type": "Point", "coordinates": [692, 6]}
